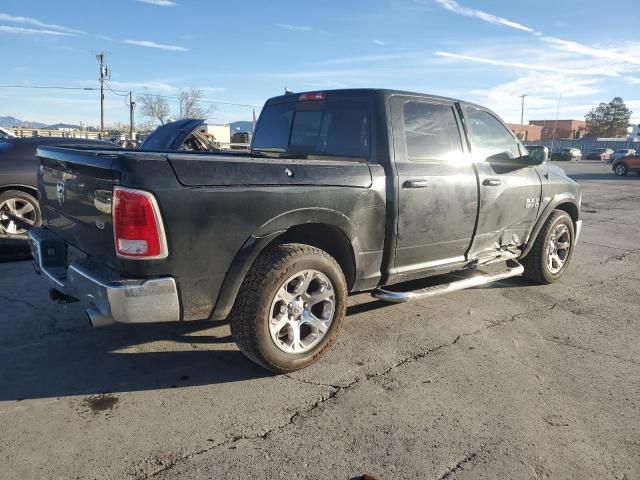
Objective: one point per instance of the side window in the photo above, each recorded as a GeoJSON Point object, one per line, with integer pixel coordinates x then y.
{"type": "Point", "coordinates": [431, 131]}
{"type": "Point", "coordinates": [489, 137]}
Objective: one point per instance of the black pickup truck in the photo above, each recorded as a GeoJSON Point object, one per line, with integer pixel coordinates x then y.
{"type": "Point", "coordinates": [342, 191]}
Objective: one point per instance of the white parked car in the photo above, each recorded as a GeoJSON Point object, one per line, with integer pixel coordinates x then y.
{"type": "Point", "coordinates": [623, 152]}
{"type": "Point", "coordinates": [5, 134]}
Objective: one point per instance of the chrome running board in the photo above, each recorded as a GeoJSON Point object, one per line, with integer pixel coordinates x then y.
{"type": "Point", "coordinates": [476, 281]}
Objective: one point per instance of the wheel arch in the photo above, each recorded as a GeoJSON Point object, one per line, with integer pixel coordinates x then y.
{"type": "Point", "coordinates": [21, 188]}
{"type": "Point", "coordinates": [328, 230]}
{"type": "Point", "coordinates": [567, 203]}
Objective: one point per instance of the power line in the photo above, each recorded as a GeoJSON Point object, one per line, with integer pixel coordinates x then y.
{"type": "Point", "coordinates": [126, 93]}
{"type": "Point", "coordinates": [115, 91]}
{"type": "Point", "coordinates": [201, 100]}
{"type": "Point", "coordinates": [50, 87]}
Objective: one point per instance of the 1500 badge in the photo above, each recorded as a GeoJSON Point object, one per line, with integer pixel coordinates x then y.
{"type": "Point", "coordinates": [532, 203]}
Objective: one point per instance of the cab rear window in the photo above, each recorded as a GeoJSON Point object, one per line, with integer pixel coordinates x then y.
{"type": "Point", "coordinates": [339, 128]}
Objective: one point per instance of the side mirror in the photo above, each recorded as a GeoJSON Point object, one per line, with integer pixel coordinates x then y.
{"type": "Point", "coordinates": [537, 155]}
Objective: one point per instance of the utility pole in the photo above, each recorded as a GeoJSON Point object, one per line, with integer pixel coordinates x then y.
{"type": "Point", "coordinates": [104, 74]}
{"type": "Point", "coordinates": [132, 106]}
{"type": "Point", "coordinates": [522, 111]}
{"type": "Point", "coordinates": [555, 126]}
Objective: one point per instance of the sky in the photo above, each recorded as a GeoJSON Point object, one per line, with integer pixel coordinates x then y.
{"type": "Point", "coordinates": [574, 54]}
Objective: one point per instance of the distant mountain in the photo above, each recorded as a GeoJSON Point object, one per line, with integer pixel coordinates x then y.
{"type": "Point", "coordinates": [63, 125]}
{"type": "Point", "coordinates": [241, 126]}
{"type": "Point", "coordinates": [16, 122]}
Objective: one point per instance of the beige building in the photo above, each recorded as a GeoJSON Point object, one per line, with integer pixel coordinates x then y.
{"type": "Point", "coordinates": [221, 133]}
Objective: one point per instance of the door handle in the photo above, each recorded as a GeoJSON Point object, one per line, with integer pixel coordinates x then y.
{"type": "Point", "coordinates": [415, 184]}
{"type": "Point", "coordinates": [491, 182]}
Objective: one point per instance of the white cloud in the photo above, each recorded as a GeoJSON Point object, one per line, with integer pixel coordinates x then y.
{"type": "Point", "coordinates": [325, 84]}
{"type": "Point", "coordinates": [373, 58]}
{"type": "Point", "coordinates": [314, 74]}
{"type": "Point", "coordinates": [455, 7]}
{"type": "Point", "coordinates": [5, 17]}
{"type": "Point", "coordinates": [160, 3]}
{"type": "Point", "coordinates": [212, 89]}
{"type": "Point", "coordinates": [542, 86]}
{"type": "Point", "coordinates": [294, 28]}
{"type": "Point", "coordinates": [161, 46]}
{"type": "Point", "coordinates": [152, 85]}
{"type": "Point", "coordinates": [34, 31]}
{"type": "Point", "coordinates": [595, 52]}
{"type": "Point", "coordinates": [543, 93]}
{"type": "Point", "coordinates": [528, 66]}
{"type": "Point", "coordinates": [379, 42]}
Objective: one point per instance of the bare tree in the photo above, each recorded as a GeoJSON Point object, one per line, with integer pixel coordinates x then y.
{"type": "Point", "coordinates": [190, 104]}
{"type": "Point", "coordinates": [118, 127]}
{"type": "Point", "coordinates": [155, 107]}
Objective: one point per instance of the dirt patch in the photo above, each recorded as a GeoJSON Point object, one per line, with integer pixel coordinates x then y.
{"type": "Point", "coordinates": [100, 403]}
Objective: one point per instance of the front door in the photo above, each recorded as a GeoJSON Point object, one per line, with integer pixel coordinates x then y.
{"type": "Point", "coordinates": [436, 185]}
{"type": "Point", "coordinates": [510, 190]}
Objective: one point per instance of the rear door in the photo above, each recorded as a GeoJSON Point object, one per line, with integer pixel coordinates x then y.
{"type": "Point", "coordinates": [437, 186]}
{"type": "Point", "coordinates": [510, 189]}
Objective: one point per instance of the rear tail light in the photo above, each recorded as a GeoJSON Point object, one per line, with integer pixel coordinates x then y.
{"type": "Point", "coordinates": [312, 96]}
{"type": "Point", "coordinates": [137, 225]}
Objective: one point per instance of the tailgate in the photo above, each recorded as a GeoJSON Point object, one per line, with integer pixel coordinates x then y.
{"type": "Point", "coordinates": [75, 188]}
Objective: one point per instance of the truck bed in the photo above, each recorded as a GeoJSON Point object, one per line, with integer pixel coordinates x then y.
{"type": "Point", "coordinates": [209, 203]}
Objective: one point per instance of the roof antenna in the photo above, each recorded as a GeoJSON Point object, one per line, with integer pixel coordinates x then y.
{"type": "Point", "coordinates": [287, 91]}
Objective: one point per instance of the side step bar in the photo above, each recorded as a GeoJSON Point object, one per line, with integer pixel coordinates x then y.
{"type": "Point", "coordinates": [401, 297]}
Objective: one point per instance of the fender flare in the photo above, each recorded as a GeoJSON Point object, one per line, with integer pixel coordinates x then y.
{"type": "Point", "coordinates": [553, 204]}
{"type": "Point", "coordinates": [265, 235]}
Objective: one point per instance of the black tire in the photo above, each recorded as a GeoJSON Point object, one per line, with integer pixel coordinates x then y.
{"type": "Point", "coordinates": [621, 169]}
{"type": "Point", "coordinates": [19, 198]}
{"type": "Point", "coordinates": [251, 313]}
{"type": "Point", "coordinates": [535, 263]}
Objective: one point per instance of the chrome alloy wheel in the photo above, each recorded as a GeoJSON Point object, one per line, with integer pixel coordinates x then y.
{"type": "Point", "coordinates": [16, 207]}
{"type": "Point", "coordinates": [621, 170]}
{"type": "Point", "coordinates": [302, 311]}
{"type": "Point", "coordinates": [558, 248]}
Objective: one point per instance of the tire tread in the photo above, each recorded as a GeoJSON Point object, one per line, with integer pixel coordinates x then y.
{"type": "Point", "coordinates": [243, 318]}
{"type": "Point", "coordinates": [534, 262]}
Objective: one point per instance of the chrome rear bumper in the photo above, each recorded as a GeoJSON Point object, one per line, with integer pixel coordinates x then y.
{"type": "Point", "coordinates": [107, 297]}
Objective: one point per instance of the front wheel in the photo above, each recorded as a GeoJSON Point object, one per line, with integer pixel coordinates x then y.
{"type": "Point", "coordinates": [290, 307]}
{"type": "Point", "coordinates": [552, 251]}
{"type": "Point", "coordinates": [621, 169]}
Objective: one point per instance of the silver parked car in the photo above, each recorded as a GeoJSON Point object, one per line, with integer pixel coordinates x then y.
{"type": "Point", "coordinates": [623, 152]}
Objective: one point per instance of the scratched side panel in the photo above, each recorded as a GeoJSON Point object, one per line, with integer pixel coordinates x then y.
{"type": "Point", "coordinates": [207, 226]}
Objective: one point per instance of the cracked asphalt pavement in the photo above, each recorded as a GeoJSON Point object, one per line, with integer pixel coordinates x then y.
{"type": "Point", "coordinates": [512, 380]}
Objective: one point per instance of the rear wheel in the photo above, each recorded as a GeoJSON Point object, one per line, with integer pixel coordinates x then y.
{"type": "Point", "coordinates": [621, 169]}
{"type": "Point", "coordinates": [290, 307]}
{"type": "Point", "coordinates": [552, 250]}
{"type": "Point", "coordinates": [19, 211]}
